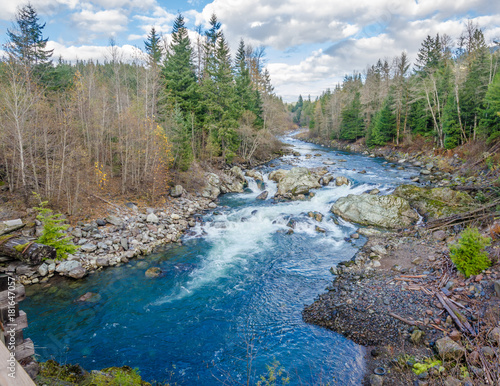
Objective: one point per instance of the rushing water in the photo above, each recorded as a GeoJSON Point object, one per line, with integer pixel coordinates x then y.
{"type": "Point", "coordinates": [231, 300]}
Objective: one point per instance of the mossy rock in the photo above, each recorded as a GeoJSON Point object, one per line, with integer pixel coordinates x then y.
{"type": "Point", "coordinates": [60, 374]}
{"type": "Point", "coordinates": [435, 202]}
{"type": "Point", "coordinates": [116, 376]}
{"type": "Point", "coordinates": [153, 272]}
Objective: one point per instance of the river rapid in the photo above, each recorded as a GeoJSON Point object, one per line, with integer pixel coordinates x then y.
{"type": "Point", "coordinates": [230, 301]}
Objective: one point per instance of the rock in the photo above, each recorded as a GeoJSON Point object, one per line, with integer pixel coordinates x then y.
{"type": "Point", "coordinates": [319, 229]}
{"type": "Point", "coordinates": [153, 272]}
{"type": "Point", "coordinates": [376, 380]}
{"type": "Point", "coordinates": [10, 226]}
{"type": "Point", "coordinates": [100, 222]}
{"type": "Point", "coordinates": [212, 187]}
{"type": "Point", "coordinates": [416, 336]}
{"type": "Point", "coordinates": [255, 175]}
{"type": "Point", "coordinates": [175, 216]}
{"type": "Point", "coordinates": [496, 285]}
{"type": "Point", "coordinates": [326, 179]}
{"type": "Point", "coordinates": [369, 232]}
{"type": "Point", "coordinates": [124, 243]}
{"type": "Point", "coordinates": [102, 262]}
{"type": "Point", "coordinates": [43, 269]}
{"type": "Point", "coordinates": [439, 235]}
{"type": "Point", "coordinates": [131, 205]}
{"type": "Point", "coordinates": [488, 352]}
{"type": "Point", "coordinates": [176, 191]}
{"type": "Point", "coordinates": [494, 336]}
{"type": "Point", "coordinates": [382, 211]}
{"type": "Point", "coordinates": [455, 335]}
{"type": "Point", "coordinates": [89, 247]}
{"type": "Point", "coordinates": [354, 236]}
{"type": "Point", "coordinates": [115, 220]}
{"type": "Point", "coordinates": [152, 218]}
{"type": "Point", "coordinates": [379, 250]}
{"type": "Point", "coordinates": [77, 232]}
{"type": "Point", "coordinates": [449, 349]}
{"type": "Point", "coordinates": [450, 381]}
{"type": "Point", "coordinates": [328, 163]}
{"type": "Point", "coordinates": [90, 297]}
{"type": "Point", "coordinates": [25, 270]}
{"type": "Point", "coordinates": [374, 192]}
{"type": "Point", "coordinates": [298, 181]}
{"type": "Point", "coordinates": [435, 202]}
{"type": "Point", "coordinates": [425, 172]}
{"type": "Point", "coordinates": [474, 358]}
{"type": "Point", "coordinates": [277, 175]}
{"type": "Point", "coordinates": [77, 273]}
{"type": "Point", "coordinates": [52, 267]}
{"type": "Point", "coordinates": [263, 195]}
{"type": "Point", "coordinates": [339, 181]}
{"type": "Point", "coordinates": [66, 266]}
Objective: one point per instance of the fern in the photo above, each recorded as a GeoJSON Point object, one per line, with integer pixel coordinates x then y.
{"type": "Point", "coordinates": [53, 231]}
{"type": "Point", "coordinates": [468, 254]}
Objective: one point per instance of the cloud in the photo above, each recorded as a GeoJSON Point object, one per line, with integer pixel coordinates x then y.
{"type": "Point", "coordinates": [9, 8]}
{"type": "Point", "coordinates": [107, 23]}
{"type": "Point", "coordinates": [126, 53]}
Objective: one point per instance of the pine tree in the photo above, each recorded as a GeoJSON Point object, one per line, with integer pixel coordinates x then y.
{"type": "Point", "coordinates": [153, 47]}
{"type": "Point", "coordinates": [352, 126]}
{"type": "Point", "coordinates": [383, 128]}
{"type": "Point", "coordinates": [490, 122]}
{"type": "Point", "coordinates": [26, 42]}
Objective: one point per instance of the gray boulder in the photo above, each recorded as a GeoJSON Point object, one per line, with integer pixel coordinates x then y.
{"type": "Point", "coordinates": [382, 211]}
{"type": "Point", "coordinates": [77, 273]}
{"type": "Point", "coordinates": [448, 349]}
{"type": "Point", "coordinates": [176, 191]}
{"type": "Point", "coordinates": [67, 266]}
{"type": "Point", "coordinates": [339, 181]}
{"type": "Point", "coordinates": [152, 218]}
{"type": "Point", "coordinates": [263, 195]}
{"type": "Point", "coordinates": [212, 187]}
{"type": "Point", "coordinates": [277, 175]}
{"type": "Point", "coordinates": [10, 226]}
{"type": "Point", "coordinates": [298, 181]}
{"type": "Point", "coordinates": [255, 175]}
{"type": "Point", "coordinates": [115, 220]}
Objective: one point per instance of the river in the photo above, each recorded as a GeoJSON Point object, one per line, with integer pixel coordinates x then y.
{"type": "Point", "coordinates": [230, 302]}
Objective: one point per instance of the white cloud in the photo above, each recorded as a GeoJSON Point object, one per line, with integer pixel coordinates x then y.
{"type": "Point", "coordinates": [9, 8]}
{"type": "Point", "coordinates": [107, 23]}
{"type": "Point", "coordinates": [126, 52]}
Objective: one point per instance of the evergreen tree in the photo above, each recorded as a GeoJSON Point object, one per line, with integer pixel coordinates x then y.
{"type": "Point", "coordinates": [490, 122]}
{"type": "Point", "coordinates": [429, 55]}
{"type": "Point", "coordinates": [352, 126]}
{"type": "Point", "coordinates": [153, 47]}
{"type": "Point", "coordinates": [383, 127]}
{"type": "Point", "coordinates": [26, 42]}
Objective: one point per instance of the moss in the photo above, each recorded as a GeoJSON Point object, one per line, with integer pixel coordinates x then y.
{"type": "Point", "coordinates": [20, 248]}
{"type": "Point", "coordinates": [116, 376]}
{"type": "Point", "coordinates": [65, 373]}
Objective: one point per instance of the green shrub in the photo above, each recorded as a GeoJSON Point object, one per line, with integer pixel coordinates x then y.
{"type": "Point", "coordinates": [118, 376]}
{"type": "Point", "coordinates": [468, 254]}
{"type": "Point", "coordinates": [53, 231]}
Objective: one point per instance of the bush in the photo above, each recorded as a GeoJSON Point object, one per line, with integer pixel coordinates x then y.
{"type": "Point", "coordinates": [53, 231]}
{"type": "Point", "coordinates": [468, 254]}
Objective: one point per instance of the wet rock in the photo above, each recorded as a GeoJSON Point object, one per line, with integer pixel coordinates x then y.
{"type": "Point", "coordinates": [383, 211]}
{"type": "Point", "coordinates": [77, 273]}
{"type": "Point", "coordinates": [298, 181]}
{"type": "Point", "coordinates": [277, 175]}
{"type": "Point", "coordinates": [153, 272]}
{"type": "Point", "coordinates": [90, 297]}
{"type": "Point", "coordinates": [319, 229]}
{"type": "Point", "coordinates": [255, 175]}
{"type": "Point", "coordinates": [354, 236]}
{"type": "Point", "coordinates": [449, 349]}
{"type": "Point", "coordinates": [176, 191]}
{"type": "Point", "coordinates": [339, 181]}
{"type": "Point", "coordinates": [263, 195]}
{"type": "Point", "coordinates": [328, 163]}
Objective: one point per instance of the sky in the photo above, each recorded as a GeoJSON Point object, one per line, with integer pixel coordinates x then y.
{"type": "Point", "coordinates": [310, 45]}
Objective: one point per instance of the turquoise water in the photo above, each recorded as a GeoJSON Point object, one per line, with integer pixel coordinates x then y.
{"type": "Point", "coordinates": [230, 302]}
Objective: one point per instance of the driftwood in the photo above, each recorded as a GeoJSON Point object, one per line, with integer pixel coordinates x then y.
{"type": "Point", "coordinates": [458, 318]}
{"type": "Point", "coordinates": [27, 251]}
{"type": "Point", "coordinates": [407, 321]}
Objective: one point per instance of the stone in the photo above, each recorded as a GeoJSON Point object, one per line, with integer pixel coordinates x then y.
{"type": "Point", "coordinates": [25, 270]}
{"type": "Point", "coordinates": [175, 216]}
{"type": "Point", "coordinates": [376, 380]}
{"type": "Point", "coordinates": [263, 195]}
{"type": "Point", "coordinates": [416, 336]}
{"type": "Point", "coordinates": [456, 335]}
{"type": "Point", "coordinates": [354, 236]}
{"type": "Point", "coordinates": [451, 381]}
{"type": "Point", "coordinates": [255, 175]}
{"type": "Point", "coordinates": [10, 226]}
{"type": "Point", "coordinates": [277, 175]}
{"type": "Point", "coordinates": [211, 189]}
{"type": "Point", "coordinates": [339, 181]}
{"type": "Point", "coordinates": [90, 297]}
{"type": "Point", "coordinates": [434, 202]}
{"type": "Point", "coordinates": [124, 243]}
{"type": "Point", "coordinates": [328, 163]}
{"type": "Point", "coordinates": [66, 266]}
{"type": "Point", "coordinates": [374, 192]}
{"type": "Point", "coordinates": [43, 270]}
{"type": "Point", "coordinates": [369, 232]}
{"type": "Point", "coordinates": [449, 349]}
{"type": "Point", "coordinates": [319, 229]}
{"type": "Point", "coordinates": [383, 211]}
{"type": "Point", "coordinates": [496, 285]}
{"type": "Point", "coordinates": [77, 232]}
{"type": "Point", "coordinates": [115, 220]}
{"type": "Point", "coordinates": [439, 235]}
{"type": "Point", "coordinates": [89, 247]}
{"type": "Point", "coordinates": [298, 181]}
{"type": "Point", "coordinates": [488, 352]}
{"type": "Point", "coordinates": [474, 358]}
{"type": "Point", "coordinates": [100, 222]}
{"type": "Point", "coordinates": [102, 245]}
{"type": "Point", "coordinates": [494, 336]}
{"type": "Point", "coordinates": [131, 205]}
{"type": "Point", "coordinates": [152, 218]}
{"type": "Point", "coordinates": [52, 267]}
{"type": "Point", "coordinates": [379, 249]}
{"type": "Point", "coordinates": [102, 262]}
{"type": "Point", "coordinates": [176, 191]}
{"type": "Point", "coordinates": [77, 273]}
{"type": "Point", "coordinates": [153, 272]}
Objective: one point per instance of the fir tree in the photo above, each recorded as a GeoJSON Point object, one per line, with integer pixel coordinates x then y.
{"type": "Point", "coordinates": [352, 126]}
{"type": "Point", "coordinates": [153, 47]}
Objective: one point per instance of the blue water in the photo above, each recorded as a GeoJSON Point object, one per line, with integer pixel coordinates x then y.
{"type": "Point", "coordinates": [230, 302]}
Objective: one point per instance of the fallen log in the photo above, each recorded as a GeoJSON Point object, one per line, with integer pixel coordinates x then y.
{"type": "Point", "coordinates": [458, 318]}
{"type": "Point", "coordinates": [27, 251]}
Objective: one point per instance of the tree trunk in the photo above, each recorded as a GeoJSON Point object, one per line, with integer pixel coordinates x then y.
{"type": "Point", "coordinates": [28, 252]}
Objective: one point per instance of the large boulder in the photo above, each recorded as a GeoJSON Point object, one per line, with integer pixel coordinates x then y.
{"type": "Point", "coordinates": [176, 191]}
{"type": "Point", "coordinates": [298, 181]}
{"type": "Point", "coordinates": [255, 175]}
{"type": "Point", "coordinates": [212, 187]}
{"type": "Point", "coordinates": [277, 175]}
{"type": "Point", "coordinates": [434, 202]}
{"type": "Point", "coordinates": [382, 211]}
{"type": "Point", "coordinates": [10, 226]}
